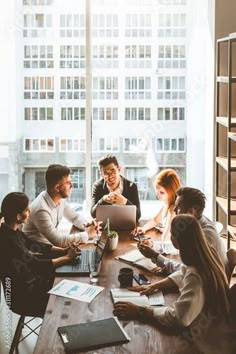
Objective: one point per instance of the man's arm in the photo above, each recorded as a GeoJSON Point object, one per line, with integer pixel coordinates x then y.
{"type": "Point", "coordinates": [75, 218]}
{"type": "Point", "coordinates": [97, 198]}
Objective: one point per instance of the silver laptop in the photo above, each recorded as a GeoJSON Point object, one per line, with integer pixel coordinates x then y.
{"type": "Point", "coordinates": [122, 217]}
{"type": "Point", "coordinates": [89, 260]}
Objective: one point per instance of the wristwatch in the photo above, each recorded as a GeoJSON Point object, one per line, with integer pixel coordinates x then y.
{"type": "Point", "coordinates": [141, 312]}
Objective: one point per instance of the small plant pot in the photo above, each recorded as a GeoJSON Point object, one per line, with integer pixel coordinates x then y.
{"type": "Point", "coordinates": [112, 243]}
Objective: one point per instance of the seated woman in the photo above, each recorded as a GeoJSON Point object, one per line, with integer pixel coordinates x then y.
{"type": "Point", "coordinates": [203, 303]}
{"type": "Point", "coordinates": [166, 184]}
{"type": "Point", "coordinates": [26, 276]}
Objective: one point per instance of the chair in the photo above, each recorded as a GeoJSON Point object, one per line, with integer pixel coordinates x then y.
{"type": "Point", "coordinates": [22, 322]}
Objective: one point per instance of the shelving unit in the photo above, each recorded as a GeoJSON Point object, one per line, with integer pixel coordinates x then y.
{"type": "Point", "coordinates": [225, 141]}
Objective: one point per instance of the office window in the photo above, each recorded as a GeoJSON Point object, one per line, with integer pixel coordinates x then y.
{"type": "Point", "coordinates": [105, 25]}
{"type": "Point", "coordinates": [72, 56]}
{"type": "Point", "coordinates": [72, 145]}
{"type": "Point", "coordinates": [38, 113]}
{"type": "Point", "coordinates": [72, 25]}
{"type": "Point", "coordinates": [105, 56]}
{"type": "Point", "coordinates": [170, 113]}
{"type": "Point", "coordinates": [39, 145]}
{"type": "Point", "coordinates": [137, 113]}
{"type": "Point", "coordinates": [72, 87]}
{"type": "Point", "coordinates": [39, 87]}
{"type": "Point", "coordinates": [135, 145]}
{"type": "Point", "coordinates": [139, 176]}
{"type": "Point", "coordinates": [171, 25]}
{"type": "Point", "coordinates": [73, 113]}
{"type": "Point", "coordinates": [138, 25]}
{"type": "Point", "coordinates": [38, 56]}
{"type": "Point", "coordinates": [172, 2]}
{"type": "Point", "coordinates": [170, 145]}
{"type": "Point", "coordinates": [138, 56]}
{"type": "Point", "coordinates": [108, 113]}
{"type": "Point", "coordinates": [37, 25]}
{"type": "Point", "coordinates": [78, 178]}
{"type": "Point", "coordinates": [171, 87]}
{"type": "Point", "coordinates": [108, 144]}
{"type": "Point", "coordinates": [138, 87]}
{"type": "Point", "coordinates": [37, 2]}
{"type": "Point", "coordinates": [105, 88]}
{"type": "Point", "coordinates": [171, 57]}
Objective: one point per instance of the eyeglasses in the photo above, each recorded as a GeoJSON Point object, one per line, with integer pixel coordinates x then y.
{"type": "Point", "coordinates": [108, 174]}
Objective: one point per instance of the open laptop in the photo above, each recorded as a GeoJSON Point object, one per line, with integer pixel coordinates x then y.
{"type": "Point", "coordinates": [122, 217]}
{"type": "Point", "coordinates": [89, 260]}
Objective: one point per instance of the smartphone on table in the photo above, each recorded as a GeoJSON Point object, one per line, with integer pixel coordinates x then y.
{"type": "Point", "coordinates": [141, 279]}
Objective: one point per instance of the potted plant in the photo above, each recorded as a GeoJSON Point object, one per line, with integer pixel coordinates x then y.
{"type": "Point", "coordinates": [112, 240]}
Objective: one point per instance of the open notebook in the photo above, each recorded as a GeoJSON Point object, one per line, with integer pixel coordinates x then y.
{"type": "Point", "coordinates": [156, 299]}
{"type": "Point", "coordinates": [137, 259]}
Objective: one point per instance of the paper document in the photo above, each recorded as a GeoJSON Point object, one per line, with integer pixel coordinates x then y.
{"type": "Point", "coordinates": [156, 299]}
{"type": "Point", "coordinates": [76, 290]}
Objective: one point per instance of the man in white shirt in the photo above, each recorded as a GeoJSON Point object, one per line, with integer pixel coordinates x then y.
{"type": "Point", "coordinates": [48, 209]}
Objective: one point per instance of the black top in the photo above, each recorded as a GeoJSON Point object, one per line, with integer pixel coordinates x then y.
{"type": "Point", "coordinates": [130, 191]}
{"type": "Point", "coordinates": [27, 274]}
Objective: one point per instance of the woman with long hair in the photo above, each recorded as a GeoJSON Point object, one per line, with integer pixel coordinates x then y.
{"type": "Point", "coordinates": [166, 184]}
{"type": "Point", "coordinates": [29, 275]}
{"type": "Point", "coordinates": [203, 303]}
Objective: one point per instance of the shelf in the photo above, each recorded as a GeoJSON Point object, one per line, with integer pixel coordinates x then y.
{"type": "Point", "coordinates": [225, 79]}
{"type": "Point", "coordinates": [222, 201]}
{"type": "Point", "coordinates": [224, 39]}
{"type": "Point", "coordinates": [232, 231]}
{"type": "Point", "coordinates": [223, 162]}
{"type": "Point", "coordinates": [232, 136]}
{"type": "Point", "coordinates": [231, 37]}
{"type": "Point", "coordinates": [225, 121]}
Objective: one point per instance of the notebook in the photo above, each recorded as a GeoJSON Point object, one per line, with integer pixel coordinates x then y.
{"type": "Point", "coordinates": [92, 335]}
{"type": "Point", "coordinates": [122, 217]}
{"type": "Point", "coordinates": [137, 259]}
{"type": "Point", "coordinates": [89, 260]}
{"type": "Point", "coordinates": [155, 299]}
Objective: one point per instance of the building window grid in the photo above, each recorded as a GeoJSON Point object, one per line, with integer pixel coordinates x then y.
{"type": "Point", "coordinates": [171, 113]}
{"type": "Point", "coordinates": [38, 113]}
{"type": "Point", "coordinates": [171, 25]}
{"type": "Point", "coordinates": [38, 87]}
{"type": "Point", "coordinates": [72, 87]}
{"type": "Point", "coordinates": [137, 113]}
{"type": "Point", "coordinates": [138, 56]}
{"type": "Point", "coordinates": [105, 56]}
{"type": "Point", "coordinates": [138, 87]}
{"type": "Point", "coordinates": [107, 144]}
{"type": "Point", "coordinates": [72, 144]}
{"type": "Point", "coordinates": [42, 145]}
{"type": "Point", "coordinates": [72, 113]}
{"type": "Point", "coordinates": [135, 145]}
{"type": "Point", "coordinates": [105, 88]}
{"type": "Point", "coordinates": [171, 145]}
{"type": "Point", "coordinates": [105, 113]}
{"type": "Point", "coordinates": [72, 56]}
{"type": "Point", "coordinates": [139, 176]}
{"type": "Point", "coordinates": [171, 57]}
{"type": "Point", "coordinates": [37, 2]}
{"type": "Point", "coordinates": [37, 25]}
{"type": "Point", "coordinates": [105, 25]}
{"type": "Point", "coordinates": [138, 25]}
{"type": "Point", "coordinates": [38, 56]}
{"type": "Point", "coordinates": [72, 25]}
{"type": "Point", "coordinates": [78, 178]}
{"type": "Point", "coordinates": [171, 87]}
{"type": "Point", "coordinates": [172, 2]}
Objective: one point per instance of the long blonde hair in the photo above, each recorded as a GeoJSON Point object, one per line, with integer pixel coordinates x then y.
{"type": "Point", "coordinates": [195, 251]}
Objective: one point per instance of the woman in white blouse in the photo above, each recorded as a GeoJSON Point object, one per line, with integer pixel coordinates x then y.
{"type": "Point", "coordinates": [203, 304]}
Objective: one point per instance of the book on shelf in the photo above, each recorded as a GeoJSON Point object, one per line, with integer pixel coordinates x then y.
{"type": "Point", "coordinates": [138, 260]}
{"type": "Point", "coordinates": [92, 335]}
{"type": "Point", "coordinates": [156, 299]}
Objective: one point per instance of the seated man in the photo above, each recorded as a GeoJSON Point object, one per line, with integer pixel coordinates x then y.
{"type": "Point", "coordinates": [50, 206]}
{"type": "Point", "coordinates": [189, 201]}
{"type": "Point", "coordinates": [113, 188]}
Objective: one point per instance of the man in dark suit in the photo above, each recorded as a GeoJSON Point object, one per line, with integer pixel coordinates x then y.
{"type": "Point", "coordinates": [113, 188]}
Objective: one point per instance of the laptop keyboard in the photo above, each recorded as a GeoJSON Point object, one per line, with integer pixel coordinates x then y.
{"type": "Point", "coordinates": [86, 261]}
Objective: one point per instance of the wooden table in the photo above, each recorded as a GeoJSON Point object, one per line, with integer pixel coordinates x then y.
{"type": "Point", "coordinates": [144, 338]}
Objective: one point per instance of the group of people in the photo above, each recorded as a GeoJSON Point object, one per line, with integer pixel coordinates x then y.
{"type": "Point", "coordinates": [28, 255]}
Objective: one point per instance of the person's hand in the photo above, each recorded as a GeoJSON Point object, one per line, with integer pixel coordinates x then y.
{"type": "Point", "coordinates": [148, 242]}
{"type": "Point", "coordinates": [150, 289]}
{"type": "Point", "coordinates": [75, 245]}
{"type": "Point", "coordinates": [91, 230]}
{"type": "Point", "coordinates": [72, 253]}
{"type": "Point", "coordinates": [108, 198]}
{"type": "Point", "coordinates": [126, 310]}
{"type": "Point", "coordinates": [146, 250]}
{"type": "Point", "coordinates": [138, 288]}
{"type": "Point", "coordinates": [138, 230]}
{"type": "Point", "coordinates": [118, 198]}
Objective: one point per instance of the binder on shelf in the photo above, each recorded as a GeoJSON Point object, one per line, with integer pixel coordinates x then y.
{"type": "Point", "coordinates": [92, 335]}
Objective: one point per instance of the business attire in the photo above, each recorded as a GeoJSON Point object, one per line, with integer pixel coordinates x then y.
{"type": "Point", "coordinates": [210, 333]}
{"type": "Point", "coordinates": [26, 277]}
{"type": "Point", "coordinates": [214, 240]}
{"type": "Point", "coordinates": [45, 217]}
{"type": "Point", "coordinates": [128, 189]}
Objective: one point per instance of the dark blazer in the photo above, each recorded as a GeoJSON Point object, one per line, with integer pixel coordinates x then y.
{"type": "Point", "coordinates": [130, 191]}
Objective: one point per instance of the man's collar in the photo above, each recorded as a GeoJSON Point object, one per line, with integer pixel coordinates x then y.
{"type": "Point", "coordinates": [50, 201]}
